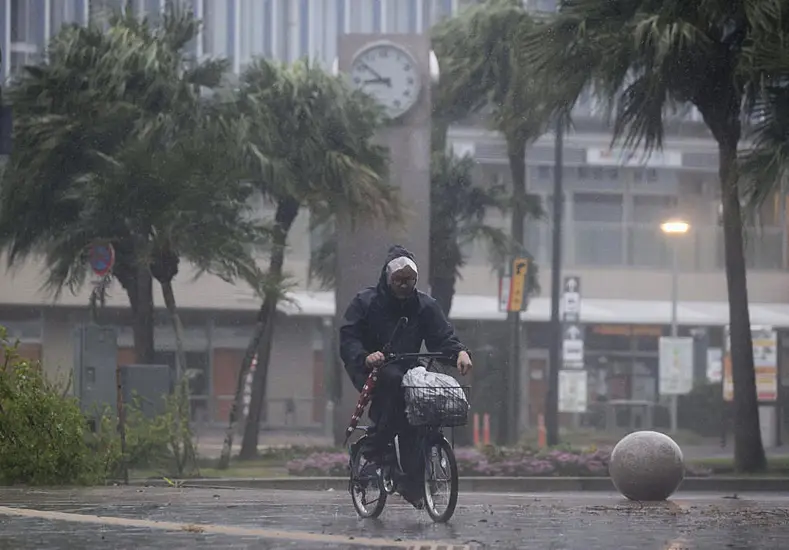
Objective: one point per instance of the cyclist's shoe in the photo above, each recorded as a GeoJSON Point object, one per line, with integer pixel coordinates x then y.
{"type": "Point", "coordinates": [368, 474]}
{"type": "Point", "coordinates": [412, 494]}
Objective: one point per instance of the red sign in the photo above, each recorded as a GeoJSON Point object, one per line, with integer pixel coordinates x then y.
{"type": "Point", "coordinates": [101, 258]}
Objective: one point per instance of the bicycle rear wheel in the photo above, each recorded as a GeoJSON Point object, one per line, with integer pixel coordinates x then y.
{"type": "Point", "coordinates": [367, 492]}
{"type": "Point", "coordinates": [440, 480]}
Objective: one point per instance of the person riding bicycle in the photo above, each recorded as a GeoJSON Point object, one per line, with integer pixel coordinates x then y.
{"type": "Point", "coordinates": [369, 322]}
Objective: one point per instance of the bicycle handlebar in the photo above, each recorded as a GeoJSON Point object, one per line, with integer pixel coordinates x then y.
{"type": "Point", "coordinates": [391, 357]}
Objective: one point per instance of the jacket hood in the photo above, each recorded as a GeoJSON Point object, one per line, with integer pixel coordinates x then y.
{"type": "Point", "coordinates": [395, 251]}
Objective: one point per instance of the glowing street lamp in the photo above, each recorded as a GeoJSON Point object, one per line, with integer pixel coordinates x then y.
{"type": "Point", "coordinates": [672, 227]}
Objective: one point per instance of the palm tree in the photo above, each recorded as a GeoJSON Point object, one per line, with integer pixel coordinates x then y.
{"type": "Point", "coordinates": [103, 131]}
{"type": "Point", "coordinates": [483, 68]}
{"type": "Point", "coordinates": [458, 207]}
{"type": "Point", "coordinates": [647, 57]}
{"type": "Point", "coordinates": [457, 220]}
{"type": "Point", "coordinates": [310, 146]}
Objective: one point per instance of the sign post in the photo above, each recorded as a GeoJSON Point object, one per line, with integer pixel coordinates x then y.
{"type": "Point", "coordinates": [101, 257]}
{"type": "Point", "coordinates": [514, 298]}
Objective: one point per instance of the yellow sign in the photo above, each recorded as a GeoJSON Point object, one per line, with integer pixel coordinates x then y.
{"type": "Point", "coordinates": [520, 273]}
{"type": "Point", "coordinates": [765, 364]}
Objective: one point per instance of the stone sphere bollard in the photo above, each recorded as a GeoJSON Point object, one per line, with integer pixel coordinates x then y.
{"type": "Point", "coordinates": [646, 466]}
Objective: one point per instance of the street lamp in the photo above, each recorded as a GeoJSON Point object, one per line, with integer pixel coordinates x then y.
{"type": "Point", "coordinates": [674, 227]}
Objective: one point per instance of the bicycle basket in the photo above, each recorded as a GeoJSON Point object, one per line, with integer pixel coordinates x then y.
{"type": "Point", "coordinates": [437, 406]}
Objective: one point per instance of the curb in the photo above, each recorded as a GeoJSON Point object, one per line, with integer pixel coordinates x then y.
{"type": "Point", "coordinates": [483, 484]}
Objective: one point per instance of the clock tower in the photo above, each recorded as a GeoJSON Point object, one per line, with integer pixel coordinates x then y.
{"type": "Point", "coordinates": [397, 70]}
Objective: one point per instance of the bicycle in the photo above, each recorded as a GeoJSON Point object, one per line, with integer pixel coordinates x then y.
{"type": "Point", "coordinates": [451, 410]}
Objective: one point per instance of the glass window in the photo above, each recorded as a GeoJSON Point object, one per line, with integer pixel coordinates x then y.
{"type": "Point", "coordinates": [376, 16]}
{"type": "Point", "coordinates": [597, 229]}
{"type": "Point", "coordinates": [412, 16]}
{"type": "Point", "coordinates": [218, 32]}
{"type": "Point", "coordinates": [64, 12]}
{"type": "Point", "coordinates": [27, 21]}
{"type": "Point", "coordinates": [608, 338]}
{"type": "Point", "coordinates": [153, 10]}
{"type": "Point", "coordinates": [197, 367]}
{"type": "Point", "coordinates": [655, 209]}
{"type": "Point", "coordinates": [598, 207]}
{"type": "Point", "coordinates": [341, 17]}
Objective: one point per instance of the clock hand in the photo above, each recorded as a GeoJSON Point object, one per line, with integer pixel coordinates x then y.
{"type": "Point", "coordinates": [376, 74]}
{"type": "Point", "coordinates": [387, 81]}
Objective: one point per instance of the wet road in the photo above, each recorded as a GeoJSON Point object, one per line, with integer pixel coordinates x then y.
{"type": "Point", "coordinates": [204, 518]}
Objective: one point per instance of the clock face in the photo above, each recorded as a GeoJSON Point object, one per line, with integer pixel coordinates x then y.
{"type": "Point", "coordinates": [388, 74]}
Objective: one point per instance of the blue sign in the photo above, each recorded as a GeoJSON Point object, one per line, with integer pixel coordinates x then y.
{"type": "Point", "coordinates": [101, 258]}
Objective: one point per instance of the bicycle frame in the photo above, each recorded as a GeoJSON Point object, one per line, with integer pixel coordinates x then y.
{"type": "Point", "coordinates": [424, 434]}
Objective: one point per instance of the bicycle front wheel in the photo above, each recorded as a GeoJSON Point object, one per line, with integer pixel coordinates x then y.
{"type": "Point", "coordinates": [367, 492]}
{"type": "Point", "coordinates": [440, 480]}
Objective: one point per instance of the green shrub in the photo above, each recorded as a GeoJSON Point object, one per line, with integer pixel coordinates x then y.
{"type": "Point", "coordinates": [42, 431]}
{"type": "Point", "coordinates": [45, 440]}
{"type": "Point", "coordinates": [163, 443]}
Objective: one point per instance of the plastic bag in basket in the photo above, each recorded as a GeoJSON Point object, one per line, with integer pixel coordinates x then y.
{"type": "Point", "coordinates": [434, 399]}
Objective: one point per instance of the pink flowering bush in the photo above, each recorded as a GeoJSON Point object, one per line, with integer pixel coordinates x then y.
{"type": "Point", "coordinates": [320, 465]}
{"type": "Point", "coordinates": [493, 462]}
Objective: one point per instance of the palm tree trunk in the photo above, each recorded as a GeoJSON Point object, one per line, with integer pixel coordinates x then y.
{"type": "Point", "coordinates": [509, 428]}
{"type": "Point", "coordinates": [142, 313]}
{"type": "Point", "coordinates": [438, 133]}
{"type": "Point", "coordinates": [262, 340]}
{"type": "Point", "coordinates": [180, 447]}
{"type": "Point", "coordinates": [235, 407]}
{"type": "Point", "coordinates": [249, 443]}
{"type": "Point", "coordinates": [749, 453]}
{"type": "Point", "coordinates": [178, 328]}
{"type": "Point", "coordinates": [443, 290]}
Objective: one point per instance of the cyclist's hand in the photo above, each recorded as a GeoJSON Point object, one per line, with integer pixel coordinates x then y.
{"type": "Point", "coordinates": [464, 363]}
{"type": "Point", "coordinates": [374, 360]}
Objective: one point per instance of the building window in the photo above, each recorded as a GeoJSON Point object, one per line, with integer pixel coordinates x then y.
{"type": "Point", "coordinates": [27, 32]}
{"type": "Point", "coordinates": [597, 226]}
{"type": "Point", "coordinates": [218, 31]}
{"type": "Point", "coordinates": [647, 245]}
{"type": "Point", "coordinates": [598, 207]}
{"type": "Point", "coordinates": [198, 374]}
{"type": "Point", "coordinates": [653, 209]}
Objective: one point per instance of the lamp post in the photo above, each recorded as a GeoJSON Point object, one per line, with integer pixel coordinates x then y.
{"type": "Point", "coordinates": [674, 228]}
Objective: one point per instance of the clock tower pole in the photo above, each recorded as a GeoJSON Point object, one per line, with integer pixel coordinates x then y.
{"type": "Point", "coordinates": [361, 253]}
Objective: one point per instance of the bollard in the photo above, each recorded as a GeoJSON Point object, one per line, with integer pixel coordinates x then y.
{"type": "Point", "coordinates": [328, 420]}
{"type": "Point", "coordinates": [486, 429]}
{"type": "Point", "coordinates": [541, 434]}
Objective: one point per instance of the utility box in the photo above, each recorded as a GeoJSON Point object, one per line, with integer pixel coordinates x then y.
{"type": "Point", "coordinates": [95, 364]}
{"type": "Point", "coordinates": [147, 385]}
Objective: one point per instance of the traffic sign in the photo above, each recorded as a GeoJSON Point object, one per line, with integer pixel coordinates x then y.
{"type": "Point", "coordinates": [675, 365]}
{"type": "Point", "coordinates": [101, 258]}
{"type": "Point", "coordinates": [573, 346]}
{"type": "Point", "coordinates": [571, 298]}
{"type": "Point", "coordinates": [573, 391]}
{"type": "Point", "coordinates": [513, 286]}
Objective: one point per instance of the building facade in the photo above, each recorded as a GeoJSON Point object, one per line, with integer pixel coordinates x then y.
{"type": "Point", "coordinates": [613, 206]}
